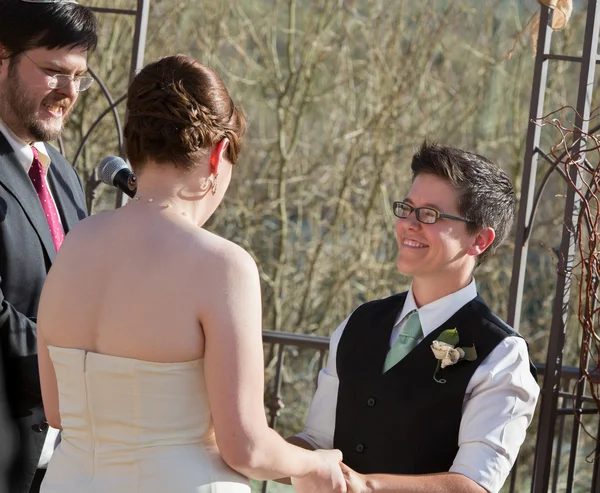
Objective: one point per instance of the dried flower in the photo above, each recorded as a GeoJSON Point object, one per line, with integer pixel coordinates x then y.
{"type": "Point", "coordinates": [445, 350]}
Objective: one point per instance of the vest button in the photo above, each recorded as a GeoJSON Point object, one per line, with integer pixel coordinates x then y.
{"type": "Point", "coordinates": [360, 448]}
{"type": "Point", "coordinates": [371, 401]}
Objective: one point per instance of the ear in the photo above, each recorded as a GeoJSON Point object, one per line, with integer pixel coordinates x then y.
{"type": "Point", "coordinates": [481, 241]}
{"type": "Point", "coordinates": [216, 156]}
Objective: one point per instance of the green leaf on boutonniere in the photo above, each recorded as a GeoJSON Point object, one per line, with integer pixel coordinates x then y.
{"type": "Point", "coordinates": [470, 353]}
{"type": "Point", "coordinates": [449, 336]}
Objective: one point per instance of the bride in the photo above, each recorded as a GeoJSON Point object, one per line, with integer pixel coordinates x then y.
{"type": "Point", "coordinates": [149, 327]}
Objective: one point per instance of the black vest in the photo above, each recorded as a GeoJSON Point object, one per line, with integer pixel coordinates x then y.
{"type": "Point", "coordinates": [403, 421]}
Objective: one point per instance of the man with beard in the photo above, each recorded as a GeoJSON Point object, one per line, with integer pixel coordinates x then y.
{"type": "Point", "coordinates": [43, 62]}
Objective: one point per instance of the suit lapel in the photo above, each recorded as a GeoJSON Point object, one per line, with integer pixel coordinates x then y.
{"type": "Point", "coordinates": [14, 179]}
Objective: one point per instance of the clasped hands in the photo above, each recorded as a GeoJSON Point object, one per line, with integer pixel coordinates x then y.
{"type": "Point", "coordinates": [334, 477]}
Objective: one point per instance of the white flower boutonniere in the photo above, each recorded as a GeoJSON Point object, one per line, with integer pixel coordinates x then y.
{"type": "Point", "coordinates": [445, 350]}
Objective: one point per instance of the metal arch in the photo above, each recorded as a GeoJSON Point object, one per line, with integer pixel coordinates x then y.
{"type": "Point", "coordinates": [540, 190]}
{"type": "Point", "coordinates": [549, 411]}
{"type": "Point", "coordinates": [112, 108]}
{"type": "Point", "coordinates": [536, 112]}
{"type": "Point", "coordinates": [137, 58]}
{"type": "Point", "coordinates": [141, 14]}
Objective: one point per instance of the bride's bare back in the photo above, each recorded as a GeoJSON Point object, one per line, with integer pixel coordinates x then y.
{"type": "Point", "coordinates": [133, 282]}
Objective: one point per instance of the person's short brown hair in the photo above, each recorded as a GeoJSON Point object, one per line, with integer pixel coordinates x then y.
{"type": "Point", "coordinates": [485, 192]}
{"type": "Point", "coordinates": [177, 108]}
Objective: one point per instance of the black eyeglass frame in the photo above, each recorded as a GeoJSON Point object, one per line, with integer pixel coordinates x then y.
{"type": "Point", "coordinates": [438, 215]}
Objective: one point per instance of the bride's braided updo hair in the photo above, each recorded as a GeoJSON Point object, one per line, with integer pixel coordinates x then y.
{"type": "Point", "coordinates": [177, 108]}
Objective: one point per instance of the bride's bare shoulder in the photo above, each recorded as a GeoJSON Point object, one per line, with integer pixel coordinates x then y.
{"type": "Point", "coordinates": [223, 253]}
{"type": "Point", "coordinates": [90, 226]}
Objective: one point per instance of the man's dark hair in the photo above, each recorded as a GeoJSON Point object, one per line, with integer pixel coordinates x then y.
{"type": "Point", "coordinates": [485, 192]}
{"type": "Point", "coordinates": [25, 26]}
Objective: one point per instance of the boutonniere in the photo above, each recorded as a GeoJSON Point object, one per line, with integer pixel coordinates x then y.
{"type": "Point", "coordinates": [445, 350]}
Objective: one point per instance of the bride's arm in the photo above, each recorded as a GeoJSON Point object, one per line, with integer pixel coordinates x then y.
{"type": "Point", "coordinates": [231, 318]}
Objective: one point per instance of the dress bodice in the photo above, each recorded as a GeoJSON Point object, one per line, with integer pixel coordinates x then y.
{"type": "Point", "coordinates": [132, 425]}
{"type": "Point", "coordinates": [107, 400]}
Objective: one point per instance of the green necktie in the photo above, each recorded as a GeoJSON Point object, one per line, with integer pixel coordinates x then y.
{"type": "Point", "coordinates": [406, 342]}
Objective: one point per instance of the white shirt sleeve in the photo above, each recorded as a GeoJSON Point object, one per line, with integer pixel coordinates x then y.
{"type": "Point", "coordinates": [499, 405]}
{"type": "Point", "coordinates": [320, 422]}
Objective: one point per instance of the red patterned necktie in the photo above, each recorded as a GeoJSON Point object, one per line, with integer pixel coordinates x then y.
{"type": "Point", "coordinates": [36, 173]}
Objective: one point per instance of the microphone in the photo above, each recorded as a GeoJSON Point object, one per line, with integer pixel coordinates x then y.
{"type": "Point", "coordinates": [114, 171]}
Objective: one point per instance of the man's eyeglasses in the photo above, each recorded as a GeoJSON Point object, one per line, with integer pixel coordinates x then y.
{"type": "Point", "coordinates": [425, 215]}
{"type": "Point", "coordinates": [58, 81]}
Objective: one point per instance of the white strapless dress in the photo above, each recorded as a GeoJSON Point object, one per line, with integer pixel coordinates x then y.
{"type": "Point", "coordinates": [135, 426]}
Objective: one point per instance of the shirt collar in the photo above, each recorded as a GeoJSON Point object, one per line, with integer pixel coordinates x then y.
{"type": "Point", "coordinates": [23, 150]}
{"type": "Point", "coordinates": [437, 312]}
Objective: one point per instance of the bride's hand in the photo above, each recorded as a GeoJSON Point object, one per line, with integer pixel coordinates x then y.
{"type": "Point", "coordinates": [327, 479]}
{"type": "Point", "coordinates": [356, 483]}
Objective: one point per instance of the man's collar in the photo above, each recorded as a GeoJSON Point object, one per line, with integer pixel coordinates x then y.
{"type": "Point", "coordinates": [437, 312]}
{"type": "Point", "coordinates": [23, 150]}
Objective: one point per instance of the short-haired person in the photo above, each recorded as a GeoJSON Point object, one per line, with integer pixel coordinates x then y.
{"type": "Point", "coordinates": [149, 328]}
{"type": "Point", "coordinates": [405, 420]}
{"type": "Point", "coordinates": [43, 61]}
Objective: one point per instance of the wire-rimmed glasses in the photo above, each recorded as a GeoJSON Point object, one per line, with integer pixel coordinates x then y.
{"type": "Point", "coordinates": [58, 81]}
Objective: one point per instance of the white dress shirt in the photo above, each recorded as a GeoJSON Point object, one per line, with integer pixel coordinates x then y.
{"type": "Point", "coordinates": [24, 155]}
{"type": "Point", "coordinates": [498, 407]}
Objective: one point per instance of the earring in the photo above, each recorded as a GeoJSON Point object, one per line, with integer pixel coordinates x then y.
{"type": "Point", "coordinates": [214, 185]}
